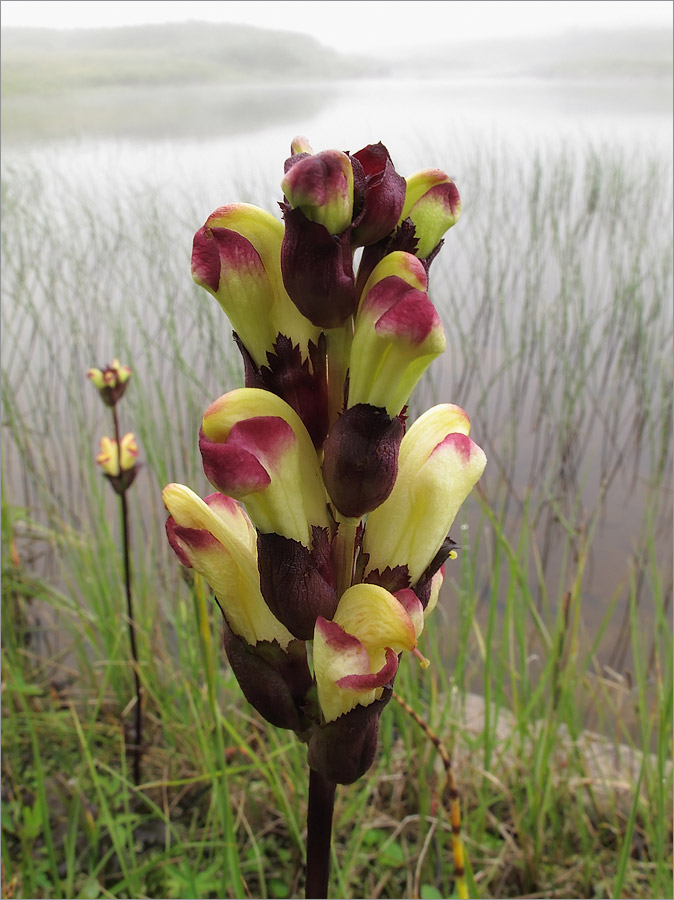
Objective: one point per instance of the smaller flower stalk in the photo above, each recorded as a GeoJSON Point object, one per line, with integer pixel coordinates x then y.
{"type": "Point", "coordinates": [118, 459]}
{"type": "Point", "coordinates": [330, 519]}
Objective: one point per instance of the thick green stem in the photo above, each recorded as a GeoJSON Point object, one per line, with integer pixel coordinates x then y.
{"type": "Point", "coordinates": [319, 835]}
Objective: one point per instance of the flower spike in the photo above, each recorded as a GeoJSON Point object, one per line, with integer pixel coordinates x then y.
{"type": "Point", "coordinates": [331, 521]}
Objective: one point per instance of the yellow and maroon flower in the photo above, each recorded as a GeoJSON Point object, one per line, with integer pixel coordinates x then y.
{"type": "Point", "coordinates": [438, 466]}
{"type": "Point", "coordinates": [236, 256]}
{"type": "Point", "coordinates": [433, 204]}
{"type": "Point", "coordinates": [255, 448]}
{"type": "Point", "coordinates": [356, 654]}
{"type": "Point", "coordinates": [119, 461]}
{"type": "Point", "coordinates": [216, 538]}
{"type": "Point", "coordinates": [397, 334]}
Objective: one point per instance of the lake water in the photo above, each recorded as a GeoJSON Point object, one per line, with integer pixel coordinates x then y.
{"type": "Point", "coordinates": [214, 145]}
{"type": "Point", "coordinates": [202, 137]}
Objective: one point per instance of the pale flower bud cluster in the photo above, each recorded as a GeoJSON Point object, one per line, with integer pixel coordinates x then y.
{"type": "Point", "coordinates": [118, 456]}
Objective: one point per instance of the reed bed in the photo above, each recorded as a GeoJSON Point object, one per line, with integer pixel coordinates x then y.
{"type": "Point", "coordinates": [551, 652]}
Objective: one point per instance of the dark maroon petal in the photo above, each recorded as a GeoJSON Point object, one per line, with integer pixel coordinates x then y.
{"type": "Point", "coordinates": [175, 543]}
{"type": "Point", "coordinates": [317, 270]}
{"type": "Point", "coordinates": [297, 584]}
{"type": "Point", "coordinates": [384, 196]}
{"type": "Point", "coordinates": [375, 680]}
{"type": "Point", "coordinates": [344, 750]}
{"type": "Point", "coordinates": [265, 437]}
{"type": "Point", "coordinates": [232, 469]}
{"type": "Point", "coordinates": [335, 636]}
{"type": "Point", "coordinates": [206, 258]}
{"type": "Point", "coordinates": [413, 317]}
{"type": "Point", "coordinates": [274, 682]}
{"type": "Point", "coordinates": [360, 464]}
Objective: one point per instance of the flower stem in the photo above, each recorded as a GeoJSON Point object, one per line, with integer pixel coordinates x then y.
{"type": "Point", "coordinates": [319, 834]}
{"type": "Point", "coordinates": [338, 343]}
{"type": "Point", "coordinates": [345, 551]}
{"type": "Point", "coordinates": [130, 616]}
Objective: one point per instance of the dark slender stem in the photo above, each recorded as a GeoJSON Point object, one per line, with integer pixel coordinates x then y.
{"type": "Point", "coordinates": [319, 835]}
{"type": "Point", "coordinates": [130, 616]}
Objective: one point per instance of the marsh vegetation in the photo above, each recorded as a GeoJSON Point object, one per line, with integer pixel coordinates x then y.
{"type": "Point", "coordinates": [555, 292]}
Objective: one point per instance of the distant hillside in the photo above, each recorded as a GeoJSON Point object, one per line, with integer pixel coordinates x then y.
{"type": "Point", "coordinates": [575, 54]}
{"type": "Point", "coordinates": [36, 60]}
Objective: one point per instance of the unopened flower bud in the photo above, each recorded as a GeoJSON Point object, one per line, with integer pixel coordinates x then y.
{"type": "Point", "coordinates": [317, 270]}
{"type": "Point", "coordinates": [433, 204]}
{"type": "Point", "coordinates": [383, 196]}
{"type": "Point", "coordinates": [298, 583]}
{"type": "Point", "coordinates": [344, 749]}
{"type": "Point", "coordinates": [321, 186]}
{"type": "Point", "coordinates": [360, 460]}
{"type": "Point", "coordinates": [397, 334]}
{"type": "Point", "coordinates": [111, 381]}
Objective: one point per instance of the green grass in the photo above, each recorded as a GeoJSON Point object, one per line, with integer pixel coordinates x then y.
{"type": "Point", "coordinates": [555, 291]}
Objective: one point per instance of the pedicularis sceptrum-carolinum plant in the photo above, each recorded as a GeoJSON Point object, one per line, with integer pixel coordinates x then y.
{"type": "Point", "coordinates": [118, 458]}
{"type": "Point", "coordinates": [330, 521]}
